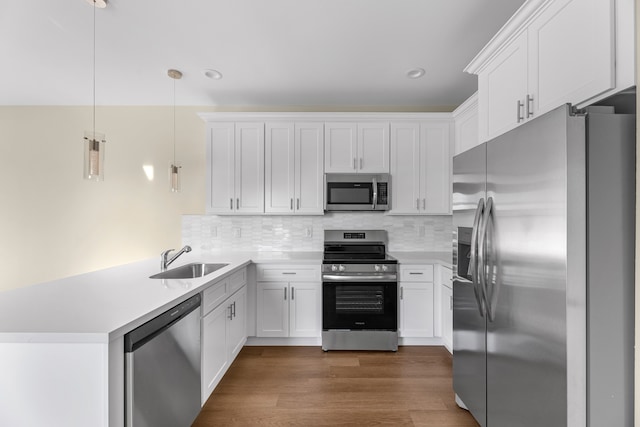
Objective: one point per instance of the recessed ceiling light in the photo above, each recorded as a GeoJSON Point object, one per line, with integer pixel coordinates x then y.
{"type": "Point", "coordinates": [213, 74]}
{"type": "Point", "coordinates": [415, 73]}
{"type": "Point", "coordinates": [98, 3]}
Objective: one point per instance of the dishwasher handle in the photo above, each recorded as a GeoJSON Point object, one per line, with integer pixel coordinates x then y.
{"type": "Point", "coordinates": [145, 333]}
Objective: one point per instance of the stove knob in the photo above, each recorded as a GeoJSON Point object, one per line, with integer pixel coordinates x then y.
{"type": "Point", "coordinates": [384, 268]}
{"type": "Point", "coordinates": [334, 267]}
{"type": "Point", "coordinates": [341, 267]}
{"type": "Point", "coordinates": [376, 267]}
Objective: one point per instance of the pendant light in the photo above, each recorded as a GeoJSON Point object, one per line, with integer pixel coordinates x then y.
{"type": "Point", "coordinates": [94, 142]}
{"type": "Point", "coordinates": [174, 167]}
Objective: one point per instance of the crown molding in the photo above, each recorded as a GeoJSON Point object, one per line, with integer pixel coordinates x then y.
{"type": "Point", "coordinates": [513, 28]}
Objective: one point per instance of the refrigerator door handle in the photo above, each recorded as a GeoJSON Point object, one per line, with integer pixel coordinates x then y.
{"type": "Point", "coordinates": [474, 262]}
{"type": "Point", "coordinates": [485, 260]}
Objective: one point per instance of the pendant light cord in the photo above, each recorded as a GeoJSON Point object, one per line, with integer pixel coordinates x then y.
{"type": "Point", "coordinates": [174, 122]}
{"type": "Point", "coordinates": [94, 73]}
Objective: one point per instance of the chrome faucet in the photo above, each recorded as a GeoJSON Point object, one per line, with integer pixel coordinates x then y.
{"type": "Point", "coordinates": [165, 260]}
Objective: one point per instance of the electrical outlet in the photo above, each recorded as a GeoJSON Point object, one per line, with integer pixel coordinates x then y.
{"type": "Point", "coordinates": [236, 232]}
{"type": "Point", "coordinates": [308, 232]}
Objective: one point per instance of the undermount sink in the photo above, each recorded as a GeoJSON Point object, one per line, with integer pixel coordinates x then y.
{"type": "Point", "coordinates": [189, 271]}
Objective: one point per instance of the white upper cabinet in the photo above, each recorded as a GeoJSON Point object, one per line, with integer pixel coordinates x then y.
{"type": "Point", "coordinates": [551, 53]}
{"type": "Point", "coordinates": [421, 168]}
{"type": "Point", "coordinates": [502, 86]}
{"type": "Point", "coordinates": [356, 147]}
{"type": "Point", "coordinates": [294, 168]}
{"type": "Point", "coordinates": [466, 125]}
{"type": "Point", "coordinates": [235, 170]}
{"type": "Point", "coordinates": [572, 52]}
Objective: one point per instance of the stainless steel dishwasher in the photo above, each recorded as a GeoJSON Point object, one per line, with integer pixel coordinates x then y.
{"type": "Point", "coordinates": [162, 369]}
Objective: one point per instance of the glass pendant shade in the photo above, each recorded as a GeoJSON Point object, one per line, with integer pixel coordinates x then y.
{"type": "Point", "coordinates": [175, 177]}
{"type": "Point", "coordinates": [94, 144]}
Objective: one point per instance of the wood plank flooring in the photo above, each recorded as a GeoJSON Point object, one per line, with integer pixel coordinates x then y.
{"type": "Point", "coordinates": [304, 386]}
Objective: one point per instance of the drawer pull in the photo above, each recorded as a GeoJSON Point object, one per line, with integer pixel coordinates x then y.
{"type": "Point", "coordinates": [289, 272]}
{"type": "Point", "coordinates": [416, 273]}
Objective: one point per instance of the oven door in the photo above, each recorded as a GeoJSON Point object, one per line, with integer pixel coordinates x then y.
{"type": "Point", "coordinates": [361, 305]}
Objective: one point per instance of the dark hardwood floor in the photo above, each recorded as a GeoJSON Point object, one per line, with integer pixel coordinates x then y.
{"type": "Point", "coordinates": [304, 386]}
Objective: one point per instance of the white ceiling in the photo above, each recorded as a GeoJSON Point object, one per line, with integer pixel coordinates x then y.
{"type": "Point", "coordinates": [272, 53]}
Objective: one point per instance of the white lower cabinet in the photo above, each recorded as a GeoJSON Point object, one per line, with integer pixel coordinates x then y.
{"type": "Point", "coordinates": [223, 330]}
{"type": "Point", "coordinates": [415, 309]}
{"type": "Point", "coordinates": [446, 307]}
{"type": "Point", "coordinates": [287, 308]}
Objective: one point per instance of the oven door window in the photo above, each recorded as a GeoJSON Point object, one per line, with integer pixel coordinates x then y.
{"type": "Point", "coordinates": [360, 306]}
{"type": "Point", "coordinates": [347, 193]}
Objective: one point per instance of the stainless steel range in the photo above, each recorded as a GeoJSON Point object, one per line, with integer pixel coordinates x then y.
{"type": "Point", "coordinates": [359, 292]}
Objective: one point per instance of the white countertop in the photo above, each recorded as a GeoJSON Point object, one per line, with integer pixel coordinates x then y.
{"type": "Point", "coordinates": [423, 257]}
{"type": "Point", "coordinates": [103, 305]}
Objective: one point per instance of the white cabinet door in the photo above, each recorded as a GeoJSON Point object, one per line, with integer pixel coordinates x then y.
{"type": "Point", "coordinates": [416, 309]}
{"type": "Point", "coordinates": [249, 167]}
{"type": "Point", "coordinates": [279, 168]}
{"type": "Point", "coordinates": [235, 168]}
{"type": "Point", "coordinates": [435, 178]}
{"type": "Point", "coordinates": [373, 148]}
{"type": "Point", "coordinates": [220, 167]}
{"type": "Point", "coordinates": [502, 90]}
{"type": "Point", "coordinates": [572, 52]}
{"type": "Point", "coordinates": [356, 147]}
{"type": "Point", "coordinates": [309, 169]}
{"type": "Point", "coordinates": [237, 323]}
{"type": "Point", "coordinates": [340, 147]}
{"type": "Point", "coordinates": [421, 168]}
{"type": "Point", "coordinates": [446, 309]}
{"type": "Point", "coordinates": [466, 125]}
{"type": "Point", "coordinates": [273, 309]}
{"type": "Point", "coordinates": [305, 310]}
{"type": "Point", "coordinates": [405, 168]}
{"type": "Point", "coordinates": [215, 355]}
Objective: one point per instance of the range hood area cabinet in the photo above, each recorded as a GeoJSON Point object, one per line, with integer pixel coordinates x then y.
{"type": "Point", "coordinates": [551, 53]}
{"type": "Point", "coordinates": [356, 147]}
{"type": "Point", "coordinates": [235, 168]}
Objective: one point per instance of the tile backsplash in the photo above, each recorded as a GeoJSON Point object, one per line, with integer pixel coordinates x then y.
{"type": "Point", "coordinates": [214, 233]}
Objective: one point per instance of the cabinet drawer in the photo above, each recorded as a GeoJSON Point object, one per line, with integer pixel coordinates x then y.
{"type": "Point", "coordinates": [214, 295]}
{"type": "Point", "coordinates": [237, 280]}
{"type": "Point", "coordinates": [297, 273]}
{"type": "Point", "coordinates": [416, 273]}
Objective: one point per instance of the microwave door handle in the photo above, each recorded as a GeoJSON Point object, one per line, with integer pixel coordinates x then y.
{"type": "Point", "coordinates": [375, 193]}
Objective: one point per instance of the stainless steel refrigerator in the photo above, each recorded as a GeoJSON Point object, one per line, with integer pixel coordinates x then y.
{"type": "Point", "coordinates": [544, 226]}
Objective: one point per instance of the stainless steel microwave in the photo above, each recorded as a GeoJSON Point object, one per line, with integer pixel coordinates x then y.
{"type": "Point", "coordinates": [357, 192]}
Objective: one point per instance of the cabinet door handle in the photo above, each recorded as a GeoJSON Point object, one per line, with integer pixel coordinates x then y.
{"type": "Point", "coordinates": [230, 313]}
{"type": "Point", "coordinates": [424, 204]}
{"type": "Point", "coordinates": [519, 108]}
{"type": "Point", "coordinates": [360, 162]}
{"type": "Point", "coordinates": [529, 107]}
{"type": "Point", "coordinates": [417, 204]}
{"type": "Point", "coordinates": [231, 204]}
{"type": "Point", "coordinates": [354, 163]}
{"type": "Point", "coordinates": [285, 293]}
{"type": "Point", "coordinates": [291, 204]}
{"type": "Point", "coordinates": [292, 293]}
{"type": "Point", "coordinates": [298, 204]}
{"type": "Point", "coordinates": [401, 292]}
{"type": "Point", "coordinates": [234, 309]}
{"type": "Point", "coordinates": [237, 204]}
